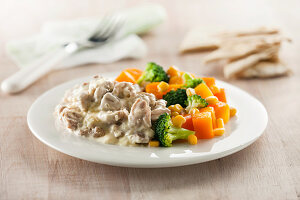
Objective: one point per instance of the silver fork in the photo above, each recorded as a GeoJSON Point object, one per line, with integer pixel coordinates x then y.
{"type": "Point", "coordinates": [107, 30]}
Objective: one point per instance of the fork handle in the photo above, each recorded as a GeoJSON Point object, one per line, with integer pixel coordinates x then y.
{"type": "Point", "coordinates": [29, 74]}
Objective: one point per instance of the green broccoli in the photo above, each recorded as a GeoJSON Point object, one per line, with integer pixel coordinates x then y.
{"type": "Point", "coordinates": [195, 101]}
{"type": "Point", "coordinates": [153, 73]}
{"type": "Point", "coordinates": [187, 76]}
{"type": "Point", "coordinates": [176, 97]}
{"type": "Point", "coordinates": [191, 82]}
{"type": "Point", "coordinates": [166, 133]}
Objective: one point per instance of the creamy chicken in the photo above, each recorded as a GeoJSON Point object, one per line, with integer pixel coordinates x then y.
{"type": "Point", "coordinates": [110, 112]}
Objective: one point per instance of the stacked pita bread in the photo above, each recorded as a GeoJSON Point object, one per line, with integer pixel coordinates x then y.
{"type": "Point", "coordinates": [247, 54]}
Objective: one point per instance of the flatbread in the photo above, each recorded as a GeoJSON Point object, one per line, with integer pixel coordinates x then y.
{"type": "Point", "coordinates": [199, 41]}
{"type": "Point", "coordinates": [204, 40]}
{"type": "Point", "coordinates": [231, 50]}
{"type": "Point", "coordinates": [233, 68]}
{"type": "Point", "coordinates": [265, 69]}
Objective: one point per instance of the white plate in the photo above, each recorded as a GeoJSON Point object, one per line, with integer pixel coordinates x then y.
{"type": "Point", "coordinates": [241, 131]}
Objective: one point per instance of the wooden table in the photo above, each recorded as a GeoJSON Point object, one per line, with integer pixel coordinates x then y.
{"type": "Point", "coordinates": [268, 169]}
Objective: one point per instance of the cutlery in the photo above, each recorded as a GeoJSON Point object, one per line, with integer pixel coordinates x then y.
{"type": "Point", "coordinates": [107, 30]}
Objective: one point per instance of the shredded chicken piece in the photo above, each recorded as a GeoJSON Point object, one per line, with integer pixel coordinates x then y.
{"type": "Point", "coordinates": [110, 103]}
{"type": "Point", "coordinates": [111, 112]}
{"type": "Point", "coordinates": [72, 119]}
{"type": "Point", "coordinates": [159, 109]}
{"type": "Point", "coordinates": [124, 90]}
{"type": "Point", "coordinates": [140, 114]}
{"type": "Point", "coordinates": [85, 100]}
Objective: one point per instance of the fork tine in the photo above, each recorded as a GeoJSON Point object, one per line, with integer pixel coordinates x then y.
{"type": "Point", "coordinates": [114, 26]}
{"type": "Point", "coordinates": [101, 26]}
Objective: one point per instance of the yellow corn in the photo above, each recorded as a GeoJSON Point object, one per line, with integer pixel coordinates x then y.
{"type": "Point", "coordinates": [174, 114]}
{"type": "Point", "coordinates": [175, 108]}
{"type": "Point", "coordinates": [172, 108]}
{"type": "Point", "coordinates": [232, 111]}
{"type": "Point", "coordinates": [178, 121]}
{"type": "Point", "coordinates": [178, 108]}
{"type": "Point", "coordinates": [163, 86]}
{"type": "Point", "coordinates": [153, 143]}
{"type": "Point", "coordinates": [220, 123]}
{"type": "Point", "coordinates": [211, 100]}
{"type": "Point", "coordinates": [193, 111]}
{"type": "Point", "coordinates": [173, 71]}
{"type": "Point", "coordinates": [190, 91]}
{"type": "Point", "coordinates": [219, 131]}
{"type": "Point", "coordinates": [192, 139]}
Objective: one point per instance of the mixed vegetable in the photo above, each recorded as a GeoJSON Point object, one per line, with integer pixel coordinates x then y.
{"type": "Point", "coordinates": [198, 106]}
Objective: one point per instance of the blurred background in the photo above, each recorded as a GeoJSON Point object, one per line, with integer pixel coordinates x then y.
{"type": "Point", "coordinates": [45, 172]}
{"type": "Point", "coordinates": [21, 19]}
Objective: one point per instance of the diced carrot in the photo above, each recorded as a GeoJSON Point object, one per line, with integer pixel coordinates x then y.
{"type": "Point", "coordinates": [136, 73]}
{"type": "Point", "coordinates": [203, 126]}
{"type": "Point", "coordinates": [152, 88]}
{"type": "Point", "coordinates": [209, 81]}
{"type": "Point", "coordinates": [221, 95]}
{"type": "Point", "coordinates": [188, 123]}
{"type": "Point", "coordinates": [203, 90]}
{"type": "Point", "coordinates": [222, 110]}
{"type": "Point", "coordinates": [173, 71]}
{"type": "Point", "coordinates": [215, 89]}
{"type": "Point", "coordinates": [125, 77]}
{"type": "Point", "coordinates": [176, 80]}
{"type": "Point", "coordinates": [213, 115]}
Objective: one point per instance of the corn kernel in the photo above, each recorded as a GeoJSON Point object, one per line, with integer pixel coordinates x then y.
{"type": "Point", "coordinates": [211, 100]}
{"type": "Point", "coordinates": [163, 86]}
{"type": "Point", "coordinates": [220, 123]}
{"type": "Point", "coordinates": [178, 121]}
{"type": "Point", "coordinates": [172, 108]}
{"type": "Point", "coordinates": [174, 114]}
{"type": "Point", "coordinates": [193, 111]}
{"type": "Point", "coordinates": [173, 71]}
{"type": "Point", "coordinates": [232, 111]}
{"type": "Point", "coordinates": [153, 143]}
{"type": "Point", "coordinates": [219, 131]}
{"type": "Point", "coordinates": [192, 139]}
{"type": "Point", "coordinates": [178, 108]}
{"type": "Point", "coordinates": [190, 91]}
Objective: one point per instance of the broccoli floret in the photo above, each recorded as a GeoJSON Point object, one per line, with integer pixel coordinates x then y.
{"type": "Point", "coordinates": [153, 73]}
{"type": "Point", "coordinates": [166, 133]}
{"type": "Point", "coordinates": [187, 76]}
{"type": "Point", "coordinates": [195, 101]}
{"type": "Point", "coordinates": [191, 82]}
{"type": "Point", "coordinates": [176, 97]}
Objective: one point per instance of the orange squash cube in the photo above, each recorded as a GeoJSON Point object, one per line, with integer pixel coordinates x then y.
{"type": "Point", "coordinates": [176, 80]}
{"type": "Point", "coordinates": [222, 110]}
{"type": "Point", "coordinates": [221, 95]}
{"type": "Point", "coordinates": [136, 73]}
{"type": "Point", "coordinates": [213, 114]}
{"type": "Point", "coordinates": [203, 90]}
{"type": "Point", "coordinates": [188, 123]}
{"type": "Point", "coordinates": [126, 77]}
{"type": "Point", "coordinates": [215, 89]}
{"type": "Point", "coordinates": [173, 71]}
{"type": "Point", "coordinates": [203, 126]}
{"type": "Point", "coordinates": [209, 81]}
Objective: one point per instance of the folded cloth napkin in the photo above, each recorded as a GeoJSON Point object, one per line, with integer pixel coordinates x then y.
{"type": "Point", "coordinates": [139, 20]}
